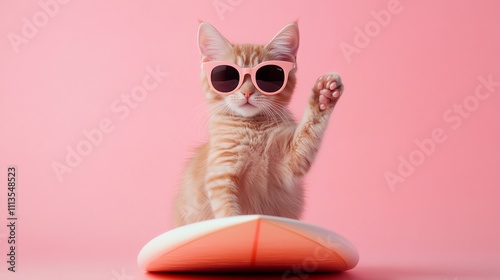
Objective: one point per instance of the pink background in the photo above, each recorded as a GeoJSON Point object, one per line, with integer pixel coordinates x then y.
{"type": "Point", "coordinates": [441, 222]}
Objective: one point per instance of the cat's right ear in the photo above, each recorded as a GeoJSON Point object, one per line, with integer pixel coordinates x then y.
{"type": "Point", "coordinates": [212, 45]}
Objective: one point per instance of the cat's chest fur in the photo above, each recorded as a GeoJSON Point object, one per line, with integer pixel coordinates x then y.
{"type": "Point", "coordinates": [250, 145]}
{"type": "Point", "coordinates": [258, 163]}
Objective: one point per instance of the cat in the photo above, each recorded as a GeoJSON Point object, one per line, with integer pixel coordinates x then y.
{"type": "Point", "coordinates": [257, 154]}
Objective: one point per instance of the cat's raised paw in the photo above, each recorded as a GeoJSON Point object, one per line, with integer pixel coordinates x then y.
{"type": "Point", "coordinates": [328, 88]}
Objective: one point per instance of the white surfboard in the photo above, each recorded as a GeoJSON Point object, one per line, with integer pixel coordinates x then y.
{"type": "Point", "coordinates": [248, 243]}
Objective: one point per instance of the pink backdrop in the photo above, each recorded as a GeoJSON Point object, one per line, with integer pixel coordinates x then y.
{"type": "Point", "coordinates": [408, 169]}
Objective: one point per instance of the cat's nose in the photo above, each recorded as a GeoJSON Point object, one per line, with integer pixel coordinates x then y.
{"type": "Point", "coordinates": [248, 93]}
{"type": "Point", "coordinates": [247, 90]}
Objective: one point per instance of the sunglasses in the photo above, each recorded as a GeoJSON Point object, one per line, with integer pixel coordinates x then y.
{"type": "Point", "coordinates": [269, 77]}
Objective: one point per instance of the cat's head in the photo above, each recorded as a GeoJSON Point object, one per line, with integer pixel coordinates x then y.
{"type": "Point", "coordinates": [247, 100]}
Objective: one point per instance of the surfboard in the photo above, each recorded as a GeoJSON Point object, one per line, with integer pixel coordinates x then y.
{"type": "Point", "coordinates": [247, 243]}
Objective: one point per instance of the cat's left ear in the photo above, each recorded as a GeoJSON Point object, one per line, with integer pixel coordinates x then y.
{"type": "Point", "coordinates": [285, 44]}
{"type": "Point", "coordinates": [212, 45]}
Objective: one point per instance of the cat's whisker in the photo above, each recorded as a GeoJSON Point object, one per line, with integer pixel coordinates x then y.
{"type": "Point", "coordinates": [272, 113]}
{"type": "Point", "coordinates": [201, 118]}
{"type": "Point", "coordinates": [285, 113]}
{"type": "Point", "coordinates": [269, 114]}
{"type": "Point", "coordinates": [279, 114]}
{"type": "Point", "coordinates": [266, 105]}
{"type": "Point", "coordinates": [214, 109]}
{"type": "Point", "coordinates": [280, 111]}
{"type": "Point", "coordinates": [205, 110]}
{"type": "Point", "coordinates": [216, 114]}
{"type": "Point", "coordinates": [220, 111]}
{"type": "Point", "coordinates": [263, 105]}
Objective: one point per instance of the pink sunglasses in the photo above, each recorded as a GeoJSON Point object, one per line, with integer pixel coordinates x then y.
{"type": "Point", "coordinates": [269, 77]}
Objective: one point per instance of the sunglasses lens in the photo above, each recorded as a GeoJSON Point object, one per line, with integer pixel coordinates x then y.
{"type": "Point", "coordinates": [270, 78]}
{"type": "Point", "coordinates": [224, 78]}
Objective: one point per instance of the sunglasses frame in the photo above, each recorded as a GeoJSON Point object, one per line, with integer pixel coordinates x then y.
{"type": "Point", "coordinates": [287, 67]}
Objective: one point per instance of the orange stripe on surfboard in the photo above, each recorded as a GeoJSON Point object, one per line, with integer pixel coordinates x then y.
{"type": "Point", "coordinates": [255, 243]}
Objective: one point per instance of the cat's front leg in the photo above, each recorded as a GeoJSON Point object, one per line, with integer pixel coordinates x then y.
{"type": "Point", "coordinates": [221, 186]}
{"type": "Point", "coordinates": [307, 137]}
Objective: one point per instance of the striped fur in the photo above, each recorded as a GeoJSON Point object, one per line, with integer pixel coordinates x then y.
{"type": "Point", "coordinates": [254, 160]}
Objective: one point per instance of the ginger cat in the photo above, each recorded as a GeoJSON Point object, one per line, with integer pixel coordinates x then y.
{"type": "Point", "coordinates": [257, 154]}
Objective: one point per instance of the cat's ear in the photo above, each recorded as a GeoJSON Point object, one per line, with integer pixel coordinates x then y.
{"type": "Point", "coordinates": [212, 45]}
{"type": "Point", "coordinates": [285, 44]}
